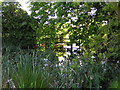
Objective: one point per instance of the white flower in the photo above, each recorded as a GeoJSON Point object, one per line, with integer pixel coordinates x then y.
{"type": "Point", "coordinates": [92, 57]}
{"type": "Point", "coordinates": [46, 60]}
{"type": "Point", "coordinates": [61, 59]}
{"type": "Point", "coordinates": [80, 63]}
{"type": "Point", "coordinates": [68, 53]}
{"type": "Point", "coordinates": [118, 61]}
{"type": "Point", "coordinates": [45, 65]}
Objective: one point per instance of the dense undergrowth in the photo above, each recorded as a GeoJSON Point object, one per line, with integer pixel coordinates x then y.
{"type": "Point", "coordinates": [36, 69]}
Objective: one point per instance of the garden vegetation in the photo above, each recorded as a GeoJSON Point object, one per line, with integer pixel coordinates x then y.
{"type": "Point", "coordinates": [32, 45]}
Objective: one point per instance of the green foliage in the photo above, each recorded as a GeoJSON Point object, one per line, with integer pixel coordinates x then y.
{"type": "Point", "coordinates": [89, 31]}
{"type": "Point", "coordinates": [29, 76]}
{"type": "Point", "coordinates": [94, 66]}
{"type": "Point", "coordinates": [26, 71]}
{"type": "Point", "coordinates": [16, 28]}
{"type": "Point", "coordinates": [115, 83]}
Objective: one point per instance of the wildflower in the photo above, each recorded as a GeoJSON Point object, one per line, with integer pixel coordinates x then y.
{"type": "Point", "coordinates": [60, 59]}
{"type": "Point", "coordinates": [46, 60]}
{"type": "Point", "coordinates": [45, 65]}
{"type": "Point", "coordinates": [92, 57]}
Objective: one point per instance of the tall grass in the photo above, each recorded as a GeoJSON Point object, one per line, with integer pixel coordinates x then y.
{"type": "Point", "coordinates": [35, 69]}
{"type": "Point", "coordinates": [26, 71]}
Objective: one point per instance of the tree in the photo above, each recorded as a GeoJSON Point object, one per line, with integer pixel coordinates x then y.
{"type": "Point", "coordinates": [17, 31]}
{"type": "Point", "coordinates": [93, 32]}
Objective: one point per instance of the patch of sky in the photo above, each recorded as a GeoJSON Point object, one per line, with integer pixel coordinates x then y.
{"type": "Point", "coordinates": [81, 13]}
{"type": "Point", "coordinates": [53, 17]}
{"type": "Point", "coordinates": [74, 18]}
{"type": "Point", "coordinates": [92, 12]}
{"type": "Point", "coordinates": [36, 11]}
{"type": "Point", "coordinates": [68, 21]}
{"type": "Point", "coordinates": [81, 5]}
